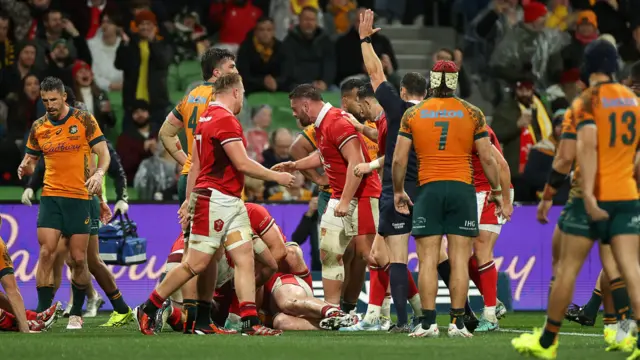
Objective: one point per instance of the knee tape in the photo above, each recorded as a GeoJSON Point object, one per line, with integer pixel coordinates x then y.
{"type": "Point", "coordinates": [333, 243]}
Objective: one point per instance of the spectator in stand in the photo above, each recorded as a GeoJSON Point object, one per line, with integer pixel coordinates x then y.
{"type": "Point", "coordinates": [285, 14]}
{"type": "Point", "coordinates": [87, 14]}
{"type": "Point", "coordinates": [258, 136]}
{"type": "Point", "coordinates": [613, 17]}
{"type": "Point", "coordinates": [95, 99]}
{"type": "Point", "coordinates": [464, 82]}
{"type": "Point", "coordinates": [391, 10]}
{"type": "Point", "coordinates": [520, 121]}
{"type": "Point", "coordinates": [536, 172]}
{"type": "Point", "coordinates": [253, 189]}
{"type": "Point", "coordinates": [189, 36]}
{"type": "Point", "coordinates": [586, 31]}
{"type": "Point", "coordinates": [137, 143]}
{"type": "Point", "coordinates": [60, 62]}
{"type": "Point", "coordinates": [57, 30]}
{"type": "Point", "coordinates": [157, 176]}
{"type": "Point", "coordinates": [310, 54]}
{"type": "Point", "coordinates": [261, 60]}
{"type": "Point", "coordinates": [349, 56]}
{"type": "Point", "coordinates": [308, 229]}
{"type": "Point", "coordinates": [156, 7]}
{"type": "Point", "coordinates": [27, 16]}
{"type": "Point", "coordinates": [339, 16]}
{"type": "Point", "coordinates": [22, 110]}
{"type": "Point", "coordinates": [294, 193]}
{"type": "Point", "coordinates": [562, 94]}
{"type": "Point", "coordinates": [234, 18]}
{"type": "Point", "coordinates": [145, 58]}
{"type": "Point", "coordinates": [559, 17]}
{"type": "Point", "coordinates": [630, 50]}
{"type": "Point", "coordinates": [497, 19]}
{"type": "Point", "coordinates": [104, 47]}
{"type": "Point", "coordinates": [277, 152]}
{"type": "Point", "coordinates": [11, 77]}
{"type": "Point", "coordinates": [7, 44]}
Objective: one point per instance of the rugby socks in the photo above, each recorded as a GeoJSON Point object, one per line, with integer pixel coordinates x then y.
{"type": "Point", "coordinates": [175, 318]}
{"type": "Point", "coordinates": [489, 281]}
{"type": "Point", "coordinates": [79, 295]}
{"type": "Point", "coordinates": [347, 307]}
{"type": "Point", "coordinates": [379, 281]}
{"type": "Point", "coordinates": [249, 314]}
{"type": "Point", "coordinates": [593, 305]}
{"type": "Point", "coordinates": [45, 297]}
{"type": "Point", "coordinates": [7, 321]}
{"type": "Point", "coordinates": [609, 319]}
{"type": "Point", "coordinates": [306, 276]}
{"type": "Point", "coordinates": [550, 333]}
{"type": "Point", "coordinates": [327, 310]}
{"type": "Point", "coordinates": [31, 315]}
{"type": "Point", "coordinates": [620, 298]}
{"type": "Point", "coordinates": [398, 275]}
{"type": "Point", "coordinates": [190, 308]}
{"type": "Point", "coordinates": [203, 315]}
{"type": "Point", "coordinates": [117, 301]}
{"type": "Point", "coordinates": [385, 311]}
{"type": "Point", "coordinates": [413, 295]}
{"type": "Point", "coordinates": [153, 304]}
{"type": "Point", "coordinates": [457, 318]}
{"type": "Point", "coordinates": [428, 318]}
{"type": "Point", "coordinates": [474, 273]}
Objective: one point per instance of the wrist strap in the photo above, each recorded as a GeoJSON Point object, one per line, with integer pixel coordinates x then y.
{"type": "Point", "coordinates": [374, 165]}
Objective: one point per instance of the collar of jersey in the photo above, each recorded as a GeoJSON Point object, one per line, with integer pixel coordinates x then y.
{"type": "Point", "coordinates": [207, 83]}
{"type": "Point", "coordinates": [323, 112]}
{"type": "Point", "coordinates": [219, 104]}
{"type": "Point", "coordinates": [61, 121]}
{"type": "Point", "coordinates": [415, 102]}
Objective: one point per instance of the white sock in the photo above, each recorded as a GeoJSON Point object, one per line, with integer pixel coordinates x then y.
{"type": "Point", "coordinates": [489, 313]}
{"type": "Point", "coordinates": [416, 306]}
{"type": "Point", "coordinates": [234, 318]}
{"type": "Point", "coordinates": [386, 307]}
{"type": "Point", "coordinates": [373, 314]}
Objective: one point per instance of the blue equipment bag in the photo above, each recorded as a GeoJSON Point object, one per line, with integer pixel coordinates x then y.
{"type": "Point", "coordinates": [119, 242]}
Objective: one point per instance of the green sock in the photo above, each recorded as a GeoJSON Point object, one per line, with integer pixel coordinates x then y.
{"type": "Point", "coordinates": [457, 317]}
{"type": "Point", "coordinates": [190, 306]}
{"type": "Point", "coordinates": [593, 306]}
{"type": "Point", "coordinates": [79, 295]}
{"type": "Point", "coordinates": [117, 301]}
{"type": "Point", "coordinates": [620, 298]}
{"type": "Point", "coordinates": [203, 317]}
{"type": "Point", "coordinates": [45, 298]}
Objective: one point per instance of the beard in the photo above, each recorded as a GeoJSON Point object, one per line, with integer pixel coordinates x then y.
{"type": "Point", "coordinates": [525, 100]}
{"type": "Point", "coordinates": [141, 123]}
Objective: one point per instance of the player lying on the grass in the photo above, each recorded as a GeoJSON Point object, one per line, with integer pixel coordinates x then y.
{"type": "Point", "coordinates": [609, 208]}
{"type": "Point", "coordinates": [37, 321]}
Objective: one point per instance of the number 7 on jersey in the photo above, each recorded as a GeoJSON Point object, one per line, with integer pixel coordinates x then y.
{"type": "Point", "coordinates": [444, 125]}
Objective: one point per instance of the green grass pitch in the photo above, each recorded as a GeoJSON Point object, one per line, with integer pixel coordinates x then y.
{"type": "Point", "coordinates": [95, 343]}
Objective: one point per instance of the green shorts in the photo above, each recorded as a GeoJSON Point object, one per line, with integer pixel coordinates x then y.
{"type": "Point", "coordinates": [323, 201]}
{"type": "Point", "coordinates": [445, 208]}
{"type": "Point", "coordinates": [70, 216]}
{"type": "Point", "coordinates": [574, 219]}
{"type": "Point", "coordinates": [624, 219]}
{"type": "Point", "coordinates": [95, 215]}
{"type": "Point", "coordinates": [182, 189]}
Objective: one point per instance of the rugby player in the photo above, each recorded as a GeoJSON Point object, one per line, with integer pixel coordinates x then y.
{"type": "Point", "coordinates": [396, 227]}
{"type": "Point", "coordinates": [214, 63]}
{"type": "Point", "coordinates": [122, 313]}
{"type": "Point", "coordinates": [482, 269]}
{"type": "Point", "coordinates": [218, 214]}
{"type": "Point", "coordinates": [445, 203]}
{"type": "Point", "coordinates": [353, 209]}
{"type": "Point", "coordinates": [66, 137]}
{"type": "Point", "coordinates": [606, 148]}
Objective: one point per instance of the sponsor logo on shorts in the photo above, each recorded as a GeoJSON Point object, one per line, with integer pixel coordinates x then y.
{"type": "Point", "coordinates": [419, 223]}
{"type": "Point", "coordinates": [217, 225]}
{"type": "Point", "coordinates": [469, 225]}
{"type": "Point", "coordinates": [398, 226]}
{"type": "Point", "coordinates": [86, 221]}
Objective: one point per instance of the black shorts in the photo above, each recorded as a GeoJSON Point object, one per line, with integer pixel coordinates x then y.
{"type": "Point", "coordinates": [392, 222]}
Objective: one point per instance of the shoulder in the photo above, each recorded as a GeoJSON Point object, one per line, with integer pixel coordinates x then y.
{"type": "Point", "coordinates": [471, 109]}
{"type": "Point", "coordinates": [85, 117]}
{"type": "Point", "coordinates": [255, 210]}
{"type": "Point", "coordinates": [38, 124]}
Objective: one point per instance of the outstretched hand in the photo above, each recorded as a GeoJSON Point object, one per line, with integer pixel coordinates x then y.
{"type": "Point", "coordinates": [366, 24]}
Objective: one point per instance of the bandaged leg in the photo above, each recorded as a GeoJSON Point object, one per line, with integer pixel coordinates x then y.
{"type": "Point", "coordinates": [333, 243]}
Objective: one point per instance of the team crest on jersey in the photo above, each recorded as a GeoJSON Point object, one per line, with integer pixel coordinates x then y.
{"type": "Point", "coordinates": [217, 225]}
{"type": "Point", "coordinates": [73, 129]}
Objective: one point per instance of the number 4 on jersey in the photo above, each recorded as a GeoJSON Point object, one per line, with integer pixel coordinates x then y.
{"type": "Point", "coordinates": [193, 119]}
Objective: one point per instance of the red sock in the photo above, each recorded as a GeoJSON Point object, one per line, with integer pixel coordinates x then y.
{"type": "Point", "coordinates": [413, 289]}
{"type": "Point", "coordinates": [306, 276]}
{"type": "Point", "coordinates": [7, 321]}
{"type": "Point", "coordinates": [234, 308]}
{"type": "Point", "coordinates": [247, 309]}
{"type": "Point", "coordinates": [474, 274]}
{"type": "Point", "coordinates": [379, 281]}
{"type": "Point", "coordinates": [176, 317]}
{"type": "Point", "coordinates": [156, 299]}
{"type": "Point", "coordinates": [489, 281]}
{"type": "Point", "coordinates": [32, 315]}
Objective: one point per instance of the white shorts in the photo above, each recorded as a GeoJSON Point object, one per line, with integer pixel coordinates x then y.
{"type": "Point", "coordinates": [487, 217]}
{"type": "Point", "coordinates": [225, 272]}
{"type": "Point", "coordinates": [289, 279]}
{"type": "Point", "coordinates": [215, 218]}
{"type": "Point", "coordinates": [362, 218]}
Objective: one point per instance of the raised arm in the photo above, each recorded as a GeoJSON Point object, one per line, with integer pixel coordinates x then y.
{"type": "Point", "coordinates": [371, 61]}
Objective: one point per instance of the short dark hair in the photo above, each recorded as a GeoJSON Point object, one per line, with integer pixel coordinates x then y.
{"type": "Point", "coordinates": [212, 58]}
{"type": "Point", "coordinates": [309, 8]}
{"type": "Point", "coordinates": [226, 82]}
{"type": "Point", "coordinates": [634, 72]}
{"type": "Point", "coordinates": [48, 12]}
{"type": "Point", "coordinates": [305, 91]}
{"type": "Point", "coordinates": [51, 83]}
{"type": "Point", "coordinates": [366, 91]}
{"type": "Point", "coordinates": [414, 83]}
{"type": "Point", "coordinates": [264, 18]}
{"type": "Point", "coordinates": [351, 84]}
